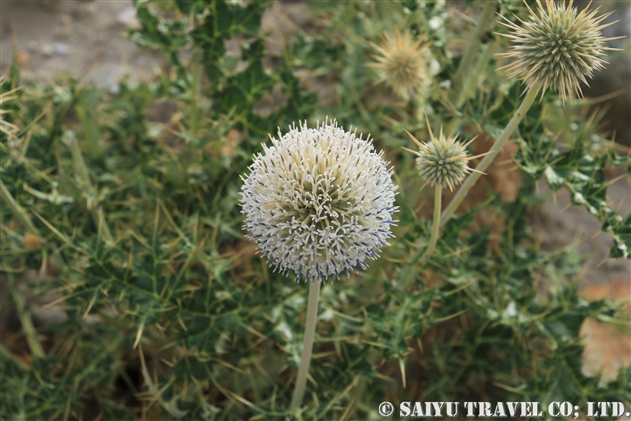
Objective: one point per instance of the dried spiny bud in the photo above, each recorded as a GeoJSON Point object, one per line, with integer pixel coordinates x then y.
{"type": "Point", "coordinates": [31, 241]}
{"type": "Point", "coordinates": [443, 160]}
{"type": "Point", "coordinates": [319, 202]}
{"type": "Point", "coordinates": [558, 48]}
{"type": "Point", "coordinates": [404, 63]}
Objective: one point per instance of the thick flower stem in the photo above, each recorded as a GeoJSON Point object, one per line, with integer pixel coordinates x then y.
{"type": "Point", "coordinates": [307, 349]}
{"type": "Point", "coordinates": [465, 63]}
{"type": "Point", "coordinates": [495, 149]}
{"type": "Point", "coordinates": [438, 193]}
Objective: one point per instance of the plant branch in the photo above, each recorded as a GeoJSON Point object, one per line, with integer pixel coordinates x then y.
{"type": "Point", "coordinates": [495, 149]}
{"type": "Point", "coordinates": [483, 23]}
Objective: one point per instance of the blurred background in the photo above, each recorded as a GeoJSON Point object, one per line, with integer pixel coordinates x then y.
{"type": "Point", "coordinates": [85, 38]}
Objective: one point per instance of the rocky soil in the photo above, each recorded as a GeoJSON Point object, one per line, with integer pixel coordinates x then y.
{"type": "Point", "coordinates": [84, 39]}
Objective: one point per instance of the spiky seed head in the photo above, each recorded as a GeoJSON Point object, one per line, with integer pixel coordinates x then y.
{"type": "Point", "coordinates": [402, 61]}
{"type": "Point", "coordinates": [319, 202]}
{"type": "Point", "coordinates": [557, 48]}
{"type": "Point", "coordinates": [442, 160]}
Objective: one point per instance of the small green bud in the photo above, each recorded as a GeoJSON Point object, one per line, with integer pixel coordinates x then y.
{"type": "Point", "coordinates": [442, 160]}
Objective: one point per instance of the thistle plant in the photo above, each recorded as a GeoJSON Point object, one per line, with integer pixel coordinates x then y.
{"type": "Point", "coordinates": [318, 203]}
{"type": "Point", "coordinates": [557, 48]}
{"type": "Point", "coordinates": [402, 61]}
{"type": "Point", "coordinates": [132, 293]}
{"type": "Point", "coordinates": [442, 162]}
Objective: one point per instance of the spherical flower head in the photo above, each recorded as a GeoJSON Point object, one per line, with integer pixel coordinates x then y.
{"type": "Point", "coordinates": [557, 48]}
{"type": "Point", "coordinates": [403, 62]}
{"type": "Point", "coordinates": [443, 160]}
{"type": "Point", "coordinates": [319, 202]}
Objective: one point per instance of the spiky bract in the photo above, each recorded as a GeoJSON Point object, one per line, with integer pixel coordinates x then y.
{"type": "Point", "coordinates": [557, 48]}
{"type": "Point", "coordinates": [403, 62]}
{"type": "Point", "coordinates": [442, 160]}
{"type": "Point", "coordinates": [319, 202]}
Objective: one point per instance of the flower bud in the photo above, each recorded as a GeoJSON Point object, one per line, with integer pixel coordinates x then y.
{"type": "Point", "coordinates": [442, 160]}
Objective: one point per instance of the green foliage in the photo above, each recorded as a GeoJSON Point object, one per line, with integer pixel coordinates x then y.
{"type": "Point", "coordinates": [166, 311]}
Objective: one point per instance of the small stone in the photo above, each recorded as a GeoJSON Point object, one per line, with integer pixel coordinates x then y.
{"type": "Point", "coordinates": [22, 59]}
{"type": "Point", "coordinates": [46, 316]}
{"type": "Point", "coordinates": [65, 19]}
{"type": "Point", "coordinates": [46, 49]}
{"type": "Point", "coordinates": [127, 18]}
{"type": "Point", "coordinates": [108, 76]}
{"type": "Point", "coordinates": [60, 49]}
{"type": "Point", "coordinates": [83, 10]}
{"type": "Point", "coordinates": [65, 29]}
{"type": "Point", "coordinates": [32, 46]}
{"type": "Point", "coordinates": [51, 6]}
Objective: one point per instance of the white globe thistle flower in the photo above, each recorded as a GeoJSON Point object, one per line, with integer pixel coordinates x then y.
{"type": "Point", "coordinates": [557, 48]}
{"type": "Point", "coordinates": [319, 202]}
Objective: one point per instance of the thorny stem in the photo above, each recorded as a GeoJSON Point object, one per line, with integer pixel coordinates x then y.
{"type": "Point", "coordinates": [25, 319]}
{"type": "Point", "coordinates": [483, 23]}
{"type": "Point", "coordinates": [307, 349]}
{"type": "Point", "coordinates": [438, 192]}
{"type": "Point", "coordinates": [495, 149]}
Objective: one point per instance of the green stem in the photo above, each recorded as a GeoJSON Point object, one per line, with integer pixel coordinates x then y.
{"type": "Point", "coordinates": [195, 92]}
{"type": "Point", "coordinates": [473, 80]}
{"type": "Point", "coordinates": [438, 193]}
{"type": "Point", "coordinates": [307, 348]}
{"type": "Point", "coordinates": [25, 319]}
{"type": "Point", "coordinates": [84, 178]}
{"type": "Point", "coordinates": [495, 149]}
{"type": "Point", "coordinates": [16, 209]}
{"type": "Point", "coordinates": [481, 27]}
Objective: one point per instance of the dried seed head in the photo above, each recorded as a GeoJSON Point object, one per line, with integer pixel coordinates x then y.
{"type": "Point", "coordinates": [557, 48]}
{"type": "Point", "coordinates": [319, 202]}
{"type": "Point", "coordinates": [442, 160]}
{"type": "Point", "coordinates": [403, 62]}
